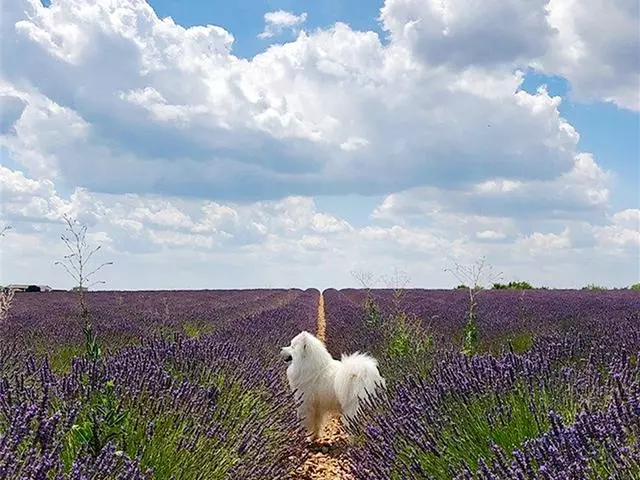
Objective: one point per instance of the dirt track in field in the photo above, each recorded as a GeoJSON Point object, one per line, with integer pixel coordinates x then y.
{"type": "Point", "coordinates": [328, 454]}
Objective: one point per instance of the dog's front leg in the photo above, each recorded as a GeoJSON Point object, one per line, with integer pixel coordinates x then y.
{"type": "Point", "coordinates": [313, 422]}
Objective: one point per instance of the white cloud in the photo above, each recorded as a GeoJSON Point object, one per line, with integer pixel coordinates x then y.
{"type": "Point", "coordinates": [169, 220]}
{"type": "Point", "coordinates": [544, 242]}
{"type": "Point", "coordinates": [323, 223]}
{"type": "Point", "coordinates": [463, 33]}
{"type": "Point", "coordinates": [629, 218]}
{"type": "Point", "coordinates": [169, 242]}
{"type": "Point", "coordinates": [11, 108]}
{"type": "Point", "coordinates": [581, 192]}
{"type": "Point", "coordinates": [622, 234]}
{"type": "Point", "coordinates": [179, 239]}
{"type": "Point", "coordinates": [197, 168]}
{"type": "Point", "coordinates": [324, 114]}
{"type": "Point", "coordinates": [490, 235]}
{"type": "Point", "coordinates": [25, 198]}
{"type": "Point", "coordinates": [594, 44]}
{"type": "Point", "coordinates": [596, 49]}
{"type": "Point", "coordinates": [279, 20]}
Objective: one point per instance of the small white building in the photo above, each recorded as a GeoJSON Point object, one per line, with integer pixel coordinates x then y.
{"type": "Point", "coordinates": [17, 287]}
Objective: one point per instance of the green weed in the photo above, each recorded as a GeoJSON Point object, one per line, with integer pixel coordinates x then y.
{"type": "Point", "coordinates": [102, 420]}
{"type": "Point", "coordinates": [519, 342]}
{"type": "Point", "coordinates": [196, 329]}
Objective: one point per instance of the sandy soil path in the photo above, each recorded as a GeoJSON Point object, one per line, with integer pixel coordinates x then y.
{"type": "Point", "coordinates": [327, 458]}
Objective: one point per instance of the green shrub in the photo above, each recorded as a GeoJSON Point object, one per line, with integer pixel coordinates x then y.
{"type": "Point", "coordinates": [519, 342]}
{"type": "Point", "coordinates": [373, 316]}
{"type": "Point", "coordinates": [406, 342]}
{"type": "Point", "coordinates": [513, 286]}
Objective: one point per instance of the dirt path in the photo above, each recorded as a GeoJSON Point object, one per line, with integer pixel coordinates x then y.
{"type": "Point", "coordinates": [321, 323]}
{"type": "Point", "coordinates": [328, 454]}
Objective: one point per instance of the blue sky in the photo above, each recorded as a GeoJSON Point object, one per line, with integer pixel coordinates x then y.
{"type": "Point", "coordinates": [402, 137]}
{"type": "Point", "coordinates": [245, 18]}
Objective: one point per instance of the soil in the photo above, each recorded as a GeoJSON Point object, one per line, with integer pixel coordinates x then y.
{"type": "Point", "coordinates": [327, 459]}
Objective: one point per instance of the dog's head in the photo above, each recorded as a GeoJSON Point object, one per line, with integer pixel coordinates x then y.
{"type": "Point", "coordinates": [298, 347]}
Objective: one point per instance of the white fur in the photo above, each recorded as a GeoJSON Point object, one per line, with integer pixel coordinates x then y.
{"type": "Point", "coordinates": [325, 385]}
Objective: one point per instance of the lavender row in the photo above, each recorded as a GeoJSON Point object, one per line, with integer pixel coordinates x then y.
{"type": "Point", "coordinates": [345, 328]}
{"type": "Point", "coordinates": [525, 417]}
{"type": "Point", "coordinates": [43, 320]}
{"type": "Point", "coordinates": [567, 408]}
{"type": "Point", "coordinates": [265, 332]}
{"type": "Point", "coordinates": [164, 409]}
{"type": "Point", "coordinates": [503, 312]}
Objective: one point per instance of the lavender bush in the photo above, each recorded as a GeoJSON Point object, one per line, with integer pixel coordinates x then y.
{"type": "Point", "coordinates": [503, 314]}
{"type": "Point", "coordinates": [190, 384]}
{"type": "Point", "coordinates": [565, 406]}
{"type": "Point", "coordinates": [47, 323]}
{"type": "Point", "coordinates": [216, 404]}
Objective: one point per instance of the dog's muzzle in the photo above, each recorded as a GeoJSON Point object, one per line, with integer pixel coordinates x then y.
{"type": "Point", "coordinates": [285, 355]}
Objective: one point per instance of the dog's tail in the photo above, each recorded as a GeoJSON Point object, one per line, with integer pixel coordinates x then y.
{"type": "Point", "coordinates": [357, 379]}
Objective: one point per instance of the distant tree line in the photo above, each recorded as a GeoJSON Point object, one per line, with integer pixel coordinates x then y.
{"type": "Point", "coordinates": [527, 286]}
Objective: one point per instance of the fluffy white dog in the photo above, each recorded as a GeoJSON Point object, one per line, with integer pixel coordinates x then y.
{"type": "Point", "coordinates": [327, 386]}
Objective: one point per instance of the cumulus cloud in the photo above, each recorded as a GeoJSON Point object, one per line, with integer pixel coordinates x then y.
{"type": "Point", "coordinates": [332, 112]}
{"type": "Point", "coordinates": [490, 235]}
{"type": "Point", "coordinates": [293, 242]}
{"type": "Point", "coordinates": [279, 20]}
{"type": "Point", "coordinates": [168, 220]}
{"type": "Point", "coordinates": [596, 49]}
{"type": "Point", "coordinates": [594, 44]}
{"type": "Point", "coordinates": [622, 234]}
{"type": "Point", "coordinates": [464, 33]}
{"type": "Point", "coordinates": [583, 192]}
{"type": "Point", "coordinates": [541, 243]}
{"type": "Point", "coordinates": [11, 108]}
{"type": "Point", "coordinates": [36, 200]}
{"type": "Point", "coordinates": [192, 164]}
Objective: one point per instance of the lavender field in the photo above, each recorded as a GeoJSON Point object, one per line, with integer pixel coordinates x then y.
{"type": "Point", "coordinates": [188, 385]}
{"type": "Point", "coordinates": [551, 391]}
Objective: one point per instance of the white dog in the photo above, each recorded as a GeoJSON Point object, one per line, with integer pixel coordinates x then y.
{"type": "Point", "coordinates": [325, 385]}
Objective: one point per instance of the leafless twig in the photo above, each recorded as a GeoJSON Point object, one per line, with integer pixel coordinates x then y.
{"type": "Point", "coordinates": [7, 294]}
{"type": "Point", "coordinates": [364, 278]}
{"type": "Point", "coordinates": [76, 262]}
{"type": "Point", "coordinates": [475, 276]}
{"type": "Point", "coordinates": [398, 282]}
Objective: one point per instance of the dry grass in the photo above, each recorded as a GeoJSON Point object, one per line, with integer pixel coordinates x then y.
{"type": "Point", "coordinates": [6, 300]}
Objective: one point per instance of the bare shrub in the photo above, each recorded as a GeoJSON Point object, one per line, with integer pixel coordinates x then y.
{"type": "Point", "coordinates": [7, 294]}
{"type": "Point", "coordinates": [476, 276]}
